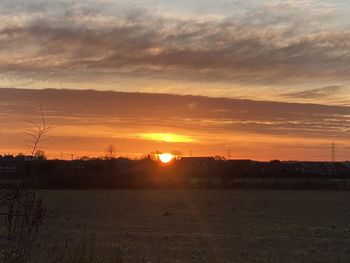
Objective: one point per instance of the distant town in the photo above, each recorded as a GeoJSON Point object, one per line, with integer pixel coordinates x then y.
{"type": "Point", "coordinates": [184, 172]}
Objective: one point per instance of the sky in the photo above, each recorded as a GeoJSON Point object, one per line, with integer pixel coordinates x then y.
{"type": "Point", "coordinates": [267, 79]}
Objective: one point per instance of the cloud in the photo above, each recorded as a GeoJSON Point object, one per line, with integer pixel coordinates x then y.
{"type": "Point", "coordinates": [159, 113]}
{"type": "Point", "coordinates": [324, 92]}
{"type": "Point", "coordinates": [272, 45]}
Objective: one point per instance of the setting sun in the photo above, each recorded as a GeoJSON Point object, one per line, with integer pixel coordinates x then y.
{"type": "Point", "coordinates": [166, 157]}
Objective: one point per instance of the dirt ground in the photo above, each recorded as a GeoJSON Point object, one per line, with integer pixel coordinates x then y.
{"type": "Point", "coordinates": [207, 225]}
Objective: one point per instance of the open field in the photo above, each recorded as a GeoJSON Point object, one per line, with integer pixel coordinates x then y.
{"type": "Point", "coordinates": [206, 225]}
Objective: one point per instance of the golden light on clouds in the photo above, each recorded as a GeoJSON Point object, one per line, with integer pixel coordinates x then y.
{"type": "Point", "coordinates": [167, 137]}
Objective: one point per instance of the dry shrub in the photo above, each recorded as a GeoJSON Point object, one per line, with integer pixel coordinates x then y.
{"type": "Point", "coordinates": [23, 213]}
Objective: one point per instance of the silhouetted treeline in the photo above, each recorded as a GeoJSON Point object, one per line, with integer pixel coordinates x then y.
{"type": "Point", "coordinates": [196, 172]}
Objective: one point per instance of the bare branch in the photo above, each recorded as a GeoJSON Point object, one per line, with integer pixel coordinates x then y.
{"type": "Point", "coordinates": [42, 117]}
{"type": "Point", "coordinates": [34, 124]}
{"type": "Point", "coordinates": [46, 139]}
{"type": "Point", "coordinates": [38, 133]}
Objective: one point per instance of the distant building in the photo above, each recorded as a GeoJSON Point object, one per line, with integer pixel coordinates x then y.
{"type": "Point", "coordinates": [197, 164]}
{"type": "Point", "coordinates": [239, 163]}
{"type": "Point", "coordinates": [11, 166]}
{"type": "Point", "coordinates": [318, 168]}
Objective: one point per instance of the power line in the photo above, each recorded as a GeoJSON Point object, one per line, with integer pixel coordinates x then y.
{"type": "Point", "coordinates": [333, 152]}
{"type": "Point", "coordinates": [229, 154]}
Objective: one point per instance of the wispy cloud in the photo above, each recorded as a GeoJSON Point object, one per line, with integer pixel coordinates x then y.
{"type": "Point", "coordinates": [88, 120]}
{"type": "Point", "coordinates": [159, 113]}
{"type": "Point", "coordinates": [325, 92]}
{"type": "Point", "coordinates": [276, 44]}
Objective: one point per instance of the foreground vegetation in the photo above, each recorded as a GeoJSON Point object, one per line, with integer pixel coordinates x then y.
{"type": "Point", "coordinates": [180, 226]}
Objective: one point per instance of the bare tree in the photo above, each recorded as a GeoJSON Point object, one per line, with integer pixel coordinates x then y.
{"type": "Point", "coordinates": [110, 152]}
{"type": "Point", "coordinates": [40, 155]}
{"type": "Point", "coordinates": [22, 210]}
{"type": "Point", "coordinates": [153, 155]}
{"type": "Point", "coordinates": [219, 158]}
{"type": "Point", "coordinates": [177, 154]}
{"type": "Point", "coordinates": [38, 133]}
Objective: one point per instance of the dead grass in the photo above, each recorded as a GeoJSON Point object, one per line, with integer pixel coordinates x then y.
{"type": "Point", "coordinates": [194, 226]}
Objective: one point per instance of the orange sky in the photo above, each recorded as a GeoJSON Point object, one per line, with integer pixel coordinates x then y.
{"type": "Point", "coordinates": [234, 72]}
{"type": "Point", "coordinates": [87, 121]}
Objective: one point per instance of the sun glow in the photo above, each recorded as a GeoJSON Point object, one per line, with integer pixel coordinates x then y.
{"type": "Point", "coordinates": [167, 137]}
{"type": "Point", "coordinates": [166, 157]}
